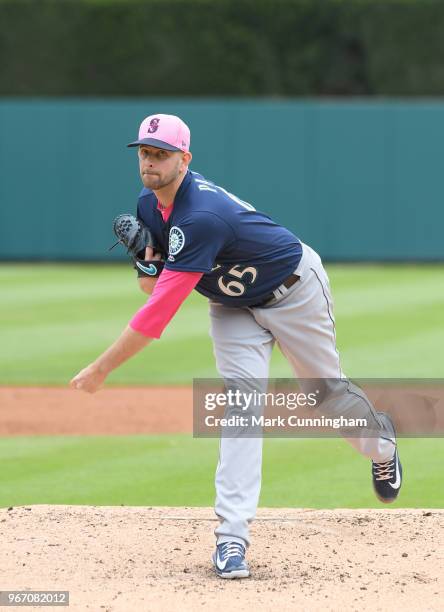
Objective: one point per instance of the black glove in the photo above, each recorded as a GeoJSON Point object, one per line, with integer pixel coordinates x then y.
{"type": "Point", "coordinates": [136, 237]}
{"type": "Point", "coordinates": [133, 234]}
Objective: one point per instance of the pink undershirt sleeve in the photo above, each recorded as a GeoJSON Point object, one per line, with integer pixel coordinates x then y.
{"type": "Point", "coordinates": [170, 291]}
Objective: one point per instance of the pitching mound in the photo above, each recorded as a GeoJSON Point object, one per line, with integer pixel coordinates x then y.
{"type": "Point", "coordinates": [144, 559]}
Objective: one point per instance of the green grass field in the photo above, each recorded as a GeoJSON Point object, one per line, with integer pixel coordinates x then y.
{"type": "Point", "coordinates": [179, 471]}
{"type": "Point", "coordinates": [55, 319]}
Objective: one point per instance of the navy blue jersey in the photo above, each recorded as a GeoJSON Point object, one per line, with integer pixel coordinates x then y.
{"type": "Point", "coordinates": [242, 253]}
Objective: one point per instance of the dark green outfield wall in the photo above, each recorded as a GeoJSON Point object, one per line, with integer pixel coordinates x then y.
{"type": "Point", "coordinates": [358, 180]}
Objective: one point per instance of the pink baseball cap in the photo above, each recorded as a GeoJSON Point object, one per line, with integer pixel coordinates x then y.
{"type": "Point", "coordinates": [164, 132]}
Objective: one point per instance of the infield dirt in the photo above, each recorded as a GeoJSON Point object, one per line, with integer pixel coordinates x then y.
{"type": "Point", "coordinates": [137, 410]}
{"type": "Point", "coordinates": [112, 411]}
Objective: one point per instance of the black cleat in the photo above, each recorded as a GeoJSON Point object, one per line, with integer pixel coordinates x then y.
{"type": "Point", "coordinates": [387, 476]}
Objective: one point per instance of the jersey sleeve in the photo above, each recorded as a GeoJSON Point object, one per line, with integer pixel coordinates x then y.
{"type": "Point", "coordinates": [195, 243]}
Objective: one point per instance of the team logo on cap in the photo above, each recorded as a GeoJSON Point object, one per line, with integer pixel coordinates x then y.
{"type": "Point", "coordinates": [154, 124]}
{"type": "Point", "coordinates": [176, 240]}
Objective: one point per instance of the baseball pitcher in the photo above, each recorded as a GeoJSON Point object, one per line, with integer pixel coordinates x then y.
{"type": "Point", "coordinates": [263, 285]}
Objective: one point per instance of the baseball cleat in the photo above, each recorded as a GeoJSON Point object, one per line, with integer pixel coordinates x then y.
{"type": "Point", "coordinates": [387, 476]}
{"type": "Point", "coordinates": [229, 560]}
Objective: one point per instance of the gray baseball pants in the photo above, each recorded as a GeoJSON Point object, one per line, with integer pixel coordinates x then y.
{"type": "Point", "coordinates": [300, 320]}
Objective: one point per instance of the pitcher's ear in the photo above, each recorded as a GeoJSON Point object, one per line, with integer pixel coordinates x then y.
{"type": "Point", "coordinates": [187, 157]}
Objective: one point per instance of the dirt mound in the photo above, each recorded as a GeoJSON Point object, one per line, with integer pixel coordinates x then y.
{"type": "Point", "coordinates": [139, 559]}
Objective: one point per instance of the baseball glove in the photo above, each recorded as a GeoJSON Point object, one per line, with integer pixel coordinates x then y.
{"type": "Point", "coordinates": [136, 237]}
